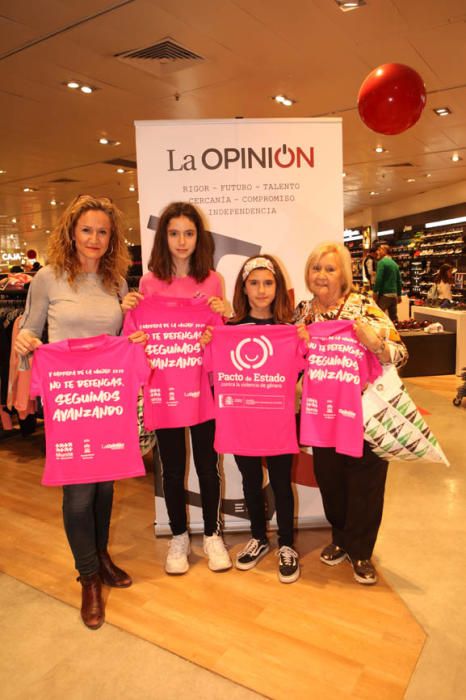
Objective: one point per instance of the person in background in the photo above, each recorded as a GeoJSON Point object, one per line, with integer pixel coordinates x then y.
{"type": "Point", "coordinates": [261, 298]}
{"type": "Point", "coordinates": [78, 293]}
{"type": "Point", "coordinates": [444, 280]}
{"type": "Point", "coordinates": [180, 265]}
{"type": "Point", "coordinates": [352, 488]}
{"type": "Point", "coordinates": [387, 286]}
{"type": "Point", "coordinates": [369, 264]}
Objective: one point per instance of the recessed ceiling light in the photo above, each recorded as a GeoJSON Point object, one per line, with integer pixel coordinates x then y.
{"type": "Point", "coordinates": [33, 226]}
{"type": "Point", "coordinates": [53, 202]}
{"type": "Point", "coordinates": [411, 179]}
{"type": "Point", "coordinates": [456, 157]}
{"type": "Point", "coordinates": [442, 111]}
{"type": "Point", "coordinates": [283, 100]}
{"type": "Point", "coordinates": [72, 84]}
{"type": "Point", "coordinates": [104, 141]}
{"type": "Point", "coordinates": [428, 174]}
{"type": "Point", "coordinates": [347, 5]}
{"type": "Point", "coordinates": [121, 170]}
{"type": "Point", "coordinates": [47, 230]}
{"type": "Point", "coordinates": [87, 89]}
{"type": "Point", "coordinates": [2, 172]}
{"type": "Point", "coordinates": [379, 149]}
{"type": "Point", "coordinates": [373, 194]}
{"type": "Point", "coordinates": [132, 188]}
{"type": "Point", "coordinates": [29, 189]}
{"type": "Point", "coordinates": [343, 174]}
{"type": "Point", "coordinates": [14, 220]}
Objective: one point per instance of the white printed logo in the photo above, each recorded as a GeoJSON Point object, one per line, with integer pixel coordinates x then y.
{"type": "Point", "coordinates": [248, 356]}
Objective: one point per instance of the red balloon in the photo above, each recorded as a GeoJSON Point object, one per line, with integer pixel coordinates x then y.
{"type": "Point", "coordinates": [391, 98]}
{"type": "Point", "coordinates": [31, 254]}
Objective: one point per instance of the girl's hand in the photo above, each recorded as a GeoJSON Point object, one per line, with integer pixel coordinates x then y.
{"type": "Point", "coordinates": [303, 333]}
{"type": "Point", "coordinates": [26, 342]}
{"type": "Point", "coordinates": [217, 305]}
{"type": "Point", "coordinates": [130, 301]}
{"type": "Point", "coordinates": [206, 337]}
{"type": "Point", "coordinates": [138, 337]}
{"type": "Point", "coordinates": [367, 336]}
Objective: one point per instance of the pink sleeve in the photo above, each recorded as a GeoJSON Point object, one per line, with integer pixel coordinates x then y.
{"type": "Point", "coordinates": [129, 324]}
{"type": "Point", "coordinates": [36, 384]}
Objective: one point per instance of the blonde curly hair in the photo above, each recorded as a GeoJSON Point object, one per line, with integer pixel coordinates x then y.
{"type": "Point", "coordinates": [62, 255]}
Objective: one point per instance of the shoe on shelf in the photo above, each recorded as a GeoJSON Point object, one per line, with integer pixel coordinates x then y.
{"type": "Point", "coordinates": [364, 571]}
{"type": "Point", "coordinates": [110, 574]}
{"type": "Point", "coordinates": [177, 556]}
{"type": "Point", "coordinates": [288, 564]}
{"type": "Point", "coordinates": [251, 554]}
{"type": "Point", "coordinates": [214, 547]}
{"type": "Point", "coordinates": [332, 555]}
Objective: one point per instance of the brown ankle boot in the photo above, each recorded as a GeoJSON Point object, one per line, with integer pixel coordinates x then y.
{"type": "Point", "coordinates": [92, 606]}
{"type": "Point", "coordinates": [111, 574]}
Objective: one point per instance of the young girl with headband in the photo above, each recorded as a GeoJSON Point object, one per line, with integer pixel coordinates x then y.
{"type": "Point", "coordinates": [261, 298]}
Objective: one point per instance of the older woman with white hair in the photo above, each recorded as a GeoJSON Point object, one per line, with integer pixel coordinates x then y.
{"type": "Point", "coordinates": [352, 488]}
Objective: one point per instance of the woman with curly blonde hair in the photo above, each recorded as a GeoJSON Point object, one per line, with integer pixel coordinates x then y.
{"type": "Point", "coordinates": [78, 293]}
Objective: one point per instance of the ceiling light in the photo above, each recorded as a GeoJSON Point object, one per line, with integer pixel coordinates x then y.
{"type": "Point", "coordinates": [53, 202]}
{"type": "Point", "coordinates": [379, 149]}
{"type": "Point", "coordinates": [104, 141]}
{"type": "Point", "coordinates": [29, 189]}
{"type": "Point", "coordinates": [121, 170]}
{"type": "Point", "coordinates": [132, 188]}
{"type": "Point", "coordinates": [456, 157]}
{"type": "Point", "coordinates": [373, 194]}
{"type": "Point", "coordinates": [13, 221]}
{"type": "Point", "coordinates": [442, 111]}
{"type": "Point", "coordinates": [387, 232]}
{"type": "Point", "coordinates": [47, 230]}
{"type": "Point", "coordinates": [347, 5]}
{"type": "Point", "coordinates": [2, 172]}
{"type": "Point", "coordinates": [446, 222]}
{"type": "Point", "coordinates": [82, 87]}
{"type": "Point", "coordinates": [411, 179]}
{"type": "Point", "coordinates": [33, 226]}
{"type": "Point", "coordinates": [428, 174]}
{"type": "Point", "coordinates": [87, 89]}
{"type": "Point", "coordinates": [343, 174]}
{"type": "Point", "coordinates": [72, 84]}
{"type": "Point", "coordinates": [283, 100]}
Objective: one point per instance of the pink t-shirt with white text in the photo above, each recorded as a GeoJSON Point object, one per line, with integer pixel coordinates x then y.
{"type": "Point", "coordinates": [338, 368]}
{"type": "Point", "coordinates": [185, 287]}
{"type": "Point", "coordinates": [178, 393]}
{"type": "Point", "coordinates": [89, 389]}
{"type": "Point", "coordinates": [255, 368]}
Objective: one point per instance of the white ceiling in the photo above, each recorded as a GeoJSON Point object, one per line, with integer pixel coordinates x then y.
{"type": "Point", "coordinates": [252, 50]}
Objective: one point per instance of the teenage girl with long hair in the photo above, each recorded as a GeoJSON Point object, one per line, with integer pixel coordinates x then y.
{"type": "Point", "coordinates": [181, 265]}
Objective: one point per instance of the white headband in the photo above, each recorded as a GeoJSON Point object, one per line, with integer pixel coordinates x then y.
{"type": "Point", "coordinates": [256, 263]}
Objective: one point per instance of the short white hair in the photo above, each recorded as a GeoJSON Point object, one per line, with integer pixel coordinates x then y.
{"type": "Point", "coordinates": [344, 256]}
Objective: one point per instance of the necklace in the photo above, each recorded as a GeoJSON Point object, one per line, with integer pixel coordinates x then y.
{"type": "Point", "coordinates": [320, 311]}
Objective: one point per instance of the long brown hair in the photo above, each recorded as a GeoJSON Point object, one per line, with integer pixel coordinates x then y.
{"type": "Point", "coordinates": [62, 255]}
{"type": "Point", "coordinates": [281, 308]}
{"type": "Point", "coordinates": [201, 261]}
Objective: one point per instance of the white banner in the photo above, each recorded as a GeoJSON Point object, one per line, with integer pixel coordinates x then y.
{"type": "Point", "coordinates": [262, 185]}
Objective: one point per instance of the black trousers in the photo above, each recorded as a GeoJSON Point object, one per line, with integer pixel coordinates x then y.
{"type": "Point", "coordinates": [171, 444]}
{"type": "Point", "coordinates": [352, 493]}
{"type": "Point", "coordinates": [389, 305]}
{"type": "Point", "coordinates": [279, 468]}
{"type": "Point", "coordinates": [87, 509]}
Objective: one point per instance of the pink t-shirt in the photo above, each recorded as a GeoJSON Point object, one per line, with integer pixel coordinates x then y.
{"type": "Point", "coordinates": [178, 393]}
{"type": "Point", "coordinates": [255, 368]}
{"type": "Point", "coordinates": [338, 368]}
{"type": "Point", "coordinates": [89, 389]}
{"type": "Point", "coordinates": [185, 287]}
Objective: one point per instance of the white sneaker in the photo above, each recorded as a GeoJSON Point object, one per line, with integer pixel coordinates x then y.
{"type": "Point", "coordinates": [219, 559]}
{"type": "Point", "coordinates": [177, 557]}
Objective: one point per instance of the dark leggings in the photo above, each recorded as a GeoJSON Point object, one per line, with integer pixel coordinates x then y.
{"type": "Point", "coordinates": [279, 468]}
{"type": "Point", "coordinates": [353, 494]}
{"type": "Point", "coordinates": [171, 444]}
{"type": "Point", "coordinates": [87, 509]}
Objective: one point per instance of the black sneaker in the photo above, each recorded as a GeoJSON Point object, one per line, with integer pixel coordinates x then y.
{"type": "Point", "coordinates": [251, 554]}
{"type": "Point", "coordinates": [332, 555]}
{"type": "Point", "coordinates": [288, 565]}
{"type": "Point", "coordinates": [364, 571]}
